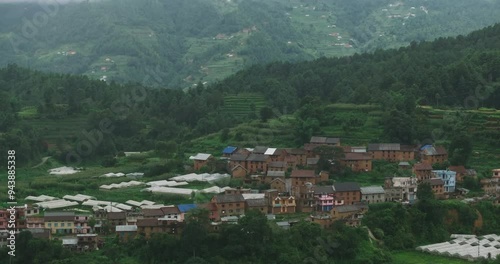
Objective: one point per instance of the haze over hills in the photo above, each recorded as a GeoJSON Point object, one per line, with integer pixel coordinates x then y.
{"type": "Point", "coordinates": [180, 43]}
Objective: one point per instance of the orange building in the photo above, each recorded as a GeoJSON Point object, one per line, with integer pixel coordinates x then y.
{"type": "Point", "coordinates": [347, 193]}
{"type": "Point", "coordinates": [432, 155]}
{"type": "Point", "coordinates": [301, 177]}
{"type": "Point", "coordinates": [357, 161]}
{"type": "Point", "coordinates": [423, 171]}
{"type": "Point", "coordinates": [391, 152]}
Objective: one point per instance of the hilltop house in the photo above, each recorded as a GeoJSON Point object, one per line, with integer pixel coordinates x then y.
{"type": "Point", "coordinates": [301, 177]}
{"type": "Point", "coordinates": [229, 204]}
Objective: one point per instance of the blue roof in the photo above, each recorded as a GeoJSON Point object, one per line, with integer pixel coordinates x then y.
{"type": "Point", "coordinates": [229, 150]}
{"type": "Point", "coordinates": [425, 147]}
{"type": "Point", "coordinates": [186, 207]}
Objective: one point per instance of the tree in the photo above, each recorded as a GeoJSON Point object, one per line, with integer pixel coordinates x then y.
{"type": "Point", "coordinates": [266, 113]}
{"type": "Point", "coordinates": [224, 136]}
{"type": "Point", "coordinates": [424, 192]}
{"type": "Point", "coordinates": [460, 149]}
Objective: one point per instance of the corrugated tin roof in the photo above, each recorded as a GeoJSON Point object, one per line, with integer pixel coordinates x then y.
{"type": "Point", "coordinates": [200, 156]}
{"type": "Point", "coordinates": [372, 190]}
{"type": "Point", "coordinates": [229, 150]}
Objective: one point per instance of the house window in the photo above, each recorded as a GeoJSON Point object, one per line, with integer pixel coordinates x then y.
{"type": "Point", "coordinates": [62, 224]}
{"type": "Point", "coordinates": [56, 224]}
{"type": "Point", "coordinates": [49, 225]}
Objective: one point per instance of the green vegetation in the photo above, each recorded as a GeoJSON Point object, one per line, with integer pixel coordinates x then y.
{"type": "Point", "coordinates": [179, 43]}
{"type": "Point", "coordinates": [415, 257]}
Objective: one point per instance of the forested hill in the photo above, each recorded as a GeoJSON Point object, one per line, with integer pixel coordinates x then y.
{"type": "Point", "coordinates": [463, 72]}
{"type": "Point", "coordinates": [184, 42]}
{"type": "Point", "coordinates": [40, 112]}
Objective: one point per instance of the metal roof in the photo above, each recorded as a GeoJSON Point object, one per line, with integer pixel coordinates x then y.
{"type": "Point", "coordinates": [229, 150]}
{"type": "Point", "coordinates": [372, 190]}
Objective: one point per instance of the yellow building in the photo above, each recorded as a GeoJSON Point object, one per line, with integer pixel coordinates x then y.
{"type": "Point", "coordinates": [60, 222]}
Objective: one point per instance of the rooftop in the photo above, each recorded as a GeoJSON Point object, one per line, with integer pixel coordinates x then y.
{"type": "Point", "coordinates": [357, 156]}
{"type": "Point", "coordinates": [372, 190]}
{"type": "Point", "coordinates": [229, 150]}
{"type": "Point", "coordinates": [422, 166]}
{"type": "Point", "coordinates": [324, 140]}
{"type": "Point", "coordinates": [229, 198]}
{"type": "Point", "coordinates": [275, 174]}
{"type": "Point", "coordinates": [303, 174]}
{"type": "Point", "coordinates": [346, 186]}
{"type": "Point", "coordinates": [200, 156]}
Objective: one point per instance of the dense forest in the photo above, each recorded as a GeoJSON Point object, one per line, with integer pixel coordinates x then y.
{"type": "Point", "coordinates": [184, 42]}
{"type": "Point", "coordinates": [449, 72]}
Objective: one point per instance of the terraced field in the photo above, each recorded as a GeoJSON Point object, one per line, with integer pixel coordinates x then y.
{"type": "Point", "coordinates": [242, 105]}
{"type": "Point", "coordinates": [53, 130]}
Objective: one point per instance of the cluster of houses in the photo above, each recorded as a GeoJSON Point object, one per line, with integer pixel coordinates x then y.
{"type": "Point", "coordinates": [296, 184]}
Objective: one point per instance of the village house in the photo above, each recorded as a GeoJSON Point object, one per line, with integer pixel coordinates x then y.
{"type": "Point", "coordinates": [184, 209]}
{"type": "Point", "coordinates": [171, 213]}
{"type": "Point", "coordinates": [82, 224]}
{"type": "Point", "coordinates": [460, 171]}
{"type": "Point", "coordinates": [201, 160]}
{"type": "Point", "coordinates": [491, 186]}
{"type": "Point", "coordinates": [357, 162]}
{"type": "Point", "coordinates": [437, 186]}
{"type": "Point", "coordinates": [278, 184]}
{"type": "Point", "coordinates": [212, 209]}
{"type": "Point", "coordinates": [30, 211]}
{"type": "Point", "coordinates": [391, 152]}
{"type": "Point", "coordinates": [229, 204]}
{"type": "Point", "coordinates": [296, 157]}
{"type": "Point", "coordinates": [277, 166]}
{"type": "Point", "coordinates": [60, 222]}
{"type": "Point", "coordinates": [276, 154]}
{"type": "Point", "coordinates": [301, 177]}
{"type": "Point", "coordinates": [433, 154]}
{"type": "Point", "coordinates": [257, 204]}
{"type": "Point", "coordinates": [239, 172]}
{"type": "Point", "coordinates": [423, 171]}
{"type": "Point", "coordinates": [32, 221]}
{"type": "Point", "coordinates": [347, 193]}
{"type": "Point", "coordinates": [279, 203]}
{"type": "Point", "coordinates": [148, 226]}
{"type": "Point", "coordinates": [304, 196]}
{"type": "Point", "coordinates": [238, 159]}
{"type": "Point", "coordinates": [404, 165]}
{"type": "Point", "coordinates": [372, 194]}
{"type": "Point", "coordinates": [325, 220]}
{"type": "Point", "coordinates": [20, 218]}
{"type": "Point", "coordinates": [272, 175]}
{"type": "Point", "coordinates": [401, 189]}
{"type": "Point", "coordinates": [257, 163]}
{"type": "Point", "coordinates": [325, 198]}
{"type": "Point", "coordinates": [328, 141]}
{"type": "Point", "coordinates": [448, 178]}
{"type": "Point", "coordinates": [126, 233]}
{"type": "Point", "coordinates": [228, 151]}
{"type": "Point", "coordinates": [115, 219]}
{"type": "Point", "coordinates": [351, 215]}
{"type": "Point", "coordinates": [87, 242]}
{"type": "Point", "coordinates": [237, 190]}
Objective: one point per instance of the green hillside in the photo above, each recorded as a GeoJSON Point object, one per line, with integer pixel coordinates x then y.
{"type": "Point", "coordinates": [180, 43]}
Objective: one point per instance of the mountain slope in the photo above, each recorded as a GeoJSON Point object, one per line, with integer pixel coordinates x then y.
{"type": "Point", "coordinates": [179, 43]}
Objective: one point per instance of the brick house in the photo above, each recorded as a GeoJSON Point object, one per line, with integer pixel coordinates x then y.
{"type": "Point", "coordinates": [437, 186]}
{"type": "Point", "coordinates": [277, 166]}
{"type": "Point", "coordinates": [257, 163]}
{"type": "Point", "coordinates": [239, 172]}
{"type": "Point", "coordinates": [347, 193]}
{"type": "Point", "coordinates": [82, 224]}
{"type": "Point", "coordinates": [460, 171]}
{"type": "Point", "coordinates": [237, 159]}
{"type": "Point", "coordinates": [372, 194]}
{"type": "Point", "coordinates": [276, 154]}
{"type": "Point", "coordinates": [304, 196]}
{"type": "Point", "coordinates": [272, 175]}
{"type": "Point", "coordinates": [33, 221]}
{"type": "Point", "coordinates": [257, 204]}
{"type": "Point", "coordinates": [278, 184]}
{"type": "Point", "coordinates": [228, 151]}
{"type": "Point", "coordinates": [358, 162]}
{"type": "Point", "coordinates": [200, 160]}
{"type": "Point", "coordinates": [149, 226]}
{"type": "Point", "coordinates": [229, 204]}
{"type": "Point", "coordinates": [279, 203]}
{"type": "Point", "coordinates": [391, 152]}
{"type": "Point", "coordinates": [433, 154]}
{"type": "Point", "coordinates": [296, 157]}
{"type": "Point", "coordinates": [301, 177]}
{"type": "Point", "coordinates": [423, 171]}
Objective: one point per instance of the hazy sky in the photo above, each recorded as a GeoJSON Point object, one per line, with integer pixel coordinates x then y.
{"type": "Point", "coordinates": [41, 1]}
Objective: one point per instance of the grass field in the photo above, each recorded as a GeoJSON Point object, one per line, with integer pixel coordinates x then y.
{"type": "Point", "coordinates": [242, 105]}
{"type": "Point", "coordinates": [415, 257]}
